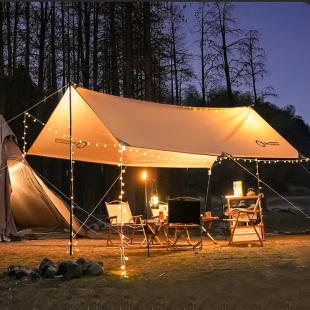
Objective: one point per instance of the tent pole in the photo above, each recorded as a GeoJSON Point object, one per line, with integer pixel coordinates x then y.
{"type": "Point", "coordinates": [257, 174]}
{"type": "Point", "coordinates": [146, 205]}
{"type": "Point", "coordinates": [71, 169]}
{"type": "Point", "coordinates": [207, 192]}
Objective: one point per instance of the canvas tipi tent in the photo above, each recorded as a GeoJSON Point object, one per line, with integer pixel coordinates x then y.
{"type": "Point", "coordinates": [152, 134]}
{"type": "Point", "coordinates": [32, 204]}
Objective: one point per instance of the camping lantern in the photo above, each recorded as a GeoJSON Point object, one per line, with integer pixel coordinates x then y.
{"type": "Point", "coordinates": [154, 199]}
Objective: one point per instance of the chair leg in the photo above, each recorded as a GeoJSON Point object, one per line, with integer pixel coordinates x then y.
{"type": "Point", "coordinates": [253, 225]}
{"type": "Point", "coordinates": [233, 232]}
{"type": "Point", "coordinates": [109, 234]}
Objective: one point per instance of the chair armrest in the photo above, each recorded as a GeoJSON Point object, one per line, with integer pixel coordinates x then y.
{"type": "Point", "coordinates": [112, 217]}
{"type": "Point", "coordinates": [136, 216]}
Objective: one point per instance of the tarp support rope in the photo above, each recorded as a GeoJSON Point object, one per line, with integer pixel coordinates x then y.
{"type": "Point", "coordinates": [76, 205]}
{"type": "Point", "coordinates": [6, 166]}
{"type": "Point", "coordinates": [98, 204]}
{"type": "Point", "coordinates": [43, 100]}
{"type": "Point", "coordinates": [305, 168]}
{"type": "Point", "coordinates": [231, 157]}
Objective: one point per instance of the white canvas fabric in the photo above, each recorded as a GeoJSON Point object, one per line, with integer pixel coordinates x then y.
{"type": "Point", "coordinates": [32, 204]}
{"type": "Point", "coordinates": [153, 134]}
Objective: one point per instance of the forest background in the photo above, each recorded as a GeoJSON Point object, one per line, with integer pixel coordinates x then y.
{"type": "Point", "coordinates": [141, 51]}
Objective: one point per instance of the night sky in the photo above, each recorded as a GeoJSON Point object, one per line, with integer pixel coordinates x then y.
{"type": "Point", "coordinates": [285, 36]}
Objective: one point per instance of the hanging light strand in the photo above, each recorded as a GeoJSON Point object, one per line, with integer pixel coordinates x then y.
{"type": "Point", "coordinates": [265, 161]}
{"type": "Point", "coordinates": [34, 119]}
{"type": "Point", "coordinates": [121, 196]}
{"type": "Point", "coordinates": [24, 136]}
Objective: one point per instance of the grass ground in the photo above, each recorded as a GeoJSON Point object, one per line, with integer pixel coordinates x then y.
{"type": "Point", "coordinates": [220, 276]}
{"type": "Point", "coordinates": [275, 276]}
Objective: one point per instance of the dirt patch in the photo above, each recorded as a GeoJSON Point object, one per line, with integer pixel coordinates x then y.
{"type": "Point", "coordinates": [275, 276]}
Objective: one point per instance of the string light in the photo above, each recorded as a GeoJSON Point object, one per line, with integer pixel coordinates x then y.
{"type": "Point", "coordinates": [265, 161]}
{"type": "Point", "coordinates": [27, 114]}
{"type": "Point", "coordinates": [186, 160]}
{"type": "Point", "coordinates": [123, 257]}
{"type": "Point", "coordinates": [24, 137]}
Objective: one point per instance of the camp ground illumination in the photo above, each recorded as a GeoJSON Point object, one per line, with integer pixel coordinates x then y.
{"type": "Point", "coordinates": [101, 128]}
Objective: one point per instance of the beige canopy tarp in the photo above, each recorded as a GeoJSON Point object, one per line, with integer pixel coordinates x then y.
{"type": "Point", "coordinates": [31, 202]}
{"type": "Point", "coordinates": [153, 134]}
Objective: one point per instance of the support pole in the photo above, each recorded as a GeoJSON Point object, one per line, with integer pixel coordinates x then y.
{"type": "Point", "coordinates": [258, 179]}
{"type": "Point", "coordinates": [147, 232]}
{"type": "Point", "coordinates": [207, 192]}
{"type": "Point", "coordinates": [71, 171]}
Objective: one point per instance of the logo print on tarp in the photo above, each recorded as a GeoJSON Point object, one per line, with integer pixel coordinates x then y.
{"type": "Point", "coordinates": [79, 145]}
{"type": "Point", "coordinates": [264, 144]}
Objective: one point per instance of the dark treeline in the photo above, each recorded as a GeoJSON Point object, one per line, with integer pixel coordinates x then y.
{"type": "Point", "coordinates": [137, 50]}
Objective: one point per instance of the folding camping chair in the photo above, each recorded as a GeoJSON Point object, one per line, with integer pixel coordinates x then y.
{"type": "Point", "coordinates": [245, 223]}
{"type": "Point", "coordinates": [120, 216]}
{"type": "Point", "coordinates": [183, 215]}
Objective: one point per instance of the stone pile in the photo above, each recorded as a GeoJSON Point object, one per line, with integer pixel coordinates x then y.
{"type": "Point", "coordinates": [50, 270]}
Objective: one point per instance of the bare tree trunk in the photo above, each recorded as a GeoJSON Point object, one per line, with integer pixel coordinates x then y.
{"type": "Point", "coordinates": [115, 81]}
{"type": "Point", "coordinates": [27, 51]}
{"type": "Point", "coordinates": [8, 18]}
{"type": "Point", "coordinates": [85, 64]}
{"type": "Point", "coordinates": [147, 53]}
{"type": "Point", "coordinates": [171, 74]}
{"type": "Point", "coordinates": [253, 81]}
{"type": "Point", "coordinates": [73, 50]}
{"type": "Point", "coordinates": [95, 51]}
{"type": "Point", "coordinates": [226, 69]}
{"type": "Point", "coordinates": [203, 86]}
{"type": "Point", "coordinates": [63, 44]}
{"type": "Point", "coordinates": [53, 52]}
{"type": "Point", "coordinates": [68, 45]}
{"type": "Point", "coordinates": [175, 67]}
{"type": "Point", "coordinates": [15, 36]}
{"type": "Point", "coordinates": [2, 86]}
{"type": "Point", "coordinates": [128, 51]}
{"type": "Point", "coordinates": [42, 47]}
{"type": "Point", "coordinates": [80, 43]}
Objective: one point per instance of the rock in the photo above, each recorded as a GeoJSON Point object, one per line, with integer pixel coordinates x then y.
{"type": "Point", "coordinates": [45, 263]}
{"type": "Point", "coordinates": [94, 270]}
{"type": "Point", "coordinates": [12, 269]}
{"type": "Point", "coordinates": [85, 266]}
{"type": "Point", "coordinates": [81, 261]}
{"type": "Point", "coordinates": [63, 266]}
{"type": "Point", "coordinates": [50, 272]}
{"type": "Point", "coordinates": [70, 270]}
{"type": "Point", "coordinates": [23, 272]}
{"type": "Point", "coordinates": [73, 271]}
